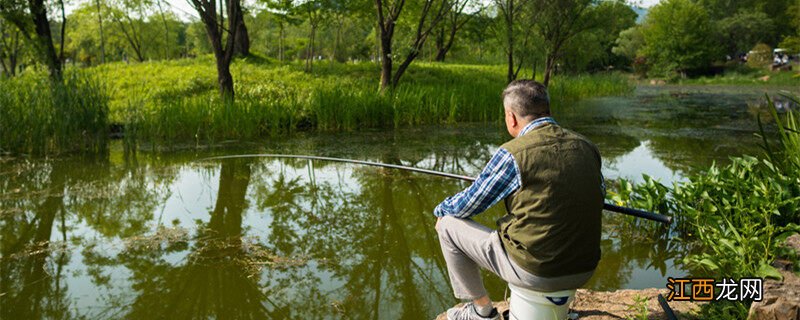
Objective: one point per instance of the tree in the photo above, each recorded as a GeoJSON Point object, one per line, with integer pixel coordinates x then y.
{"type": "Point", "coordinates": [592, 49]}
{"type": "Point", "coordinates": [30, 18]}
{"type": "Point", "coordinates": [129, 16]}
{"type": "Point", "coordinates": [241, 45]}
{"type": "Point", "coordinates": [102, 33]}
{"type": "Point", "coordinates": [559, 21]}
{"type": "Point", "coordinates": [431, 13]}
{"type": "Point", "coordinates": [678, 37]}
{"type": "Point", "coordinates": [744, 30]}
{"type": "Point", "coordinates": [284, 13]}
{"type": "Point", "coordinates": [778, 11]}
{"type": "Point", "coordinates": [223, 53]}
{"type": "Point", "coordinates": [166, 29]}
{"type": "Point", "coordinates": [455, 20]}
{"type": "Point", "coordinates": [315, 12]}
{"type": "Point", "coordinates": [509, 13]}
{"type": "Point", "coordinates": [629, 43]}
{"type": "Point", "coordinates": [10, 48]}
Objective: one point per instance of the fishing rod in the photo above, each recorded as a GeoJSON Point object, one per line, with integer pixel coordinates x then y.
{"type": "Point", "coordinates": [606, 206]}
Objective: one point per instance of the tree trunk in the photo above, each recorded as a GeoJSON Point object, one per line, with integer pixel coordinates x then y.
{"type": "Point", "coordinates": [440, 51]}
{"type": "Point", "coordinates": [102, 35]}
{"type": "Point", "coordinates": [44, 40]}
{"type": "Point", "coordinates": [241, 47]}
{"type": "Point", "coordinates": [280, 41]}
{"type": "Point", "coordinates": [402, 68]}
{"type": "Point", "coordinates": [310, 53]}
{"type": "Point", "coordinates": [511, 76]}
{"type": "Point", "coordinates": [224, 78]}
{"type": "Point", "coordinates": [386, 62]}
{"type": "Point", "coordinates": [166, 30]}
{"type": "Point", "coordinates": [548, 69]}
{"type": "Point", "coordinates": [223, 53]}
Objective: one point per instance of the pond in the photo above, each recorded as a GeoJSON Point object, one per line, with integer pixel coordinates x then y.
{"type": "Point", "coordinates": [155, 235]}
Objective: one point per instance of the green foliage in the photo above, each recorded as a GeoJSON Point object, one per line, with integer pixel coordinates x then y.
{"type": "Point", "coordinates": [791, 43]}
{"type": "Point", "coordinates": [760, 56]}
{"type": "Point", "coordinates": [164, 103]}
{"type": "Point", "coordinates": [742, 31]}
{"type": "Point", "coordinates": [639, 307]}
{"type": "Point", "coordinates": [778, 11]}
{"type": "Point", "coordinates": [678, 37]}
{"type": "Point", "coordinates": [585, 86]}
{"type": "Point", "coordinates": [744, 75]}
{"type": "Point", "coordinates": [37, 116]}
{"type": "Point", "coordinates": [737, 215]}
{"type": "Point", "coordinates": [629, 42]}
{"type": "Point", "coordinates": [593, 48]}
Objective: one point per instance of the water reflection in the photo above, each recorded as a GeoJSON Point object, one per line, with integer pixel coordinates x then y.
{"type": "Point", "coordinates": [280, 238]}
{"type": "Point", "coordinates": [145, 236]}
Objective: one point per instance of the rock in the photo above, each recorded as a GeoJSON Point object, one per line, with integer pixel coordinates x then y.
{"type": "Point", "coordinates": [620, 304]}
{"type": "Point", "coordinates": [781, 299]}
{"type": "Point", "coordinates": [793, 242]}
{"type": "Point", "coordinates": [657, 82]}
{"type": "Point", "coordinates": [764, 78]}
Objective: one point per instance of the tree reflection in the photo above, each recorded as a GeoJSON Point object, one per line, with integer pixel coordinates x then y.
{"type": "Point", "coordinates": [31, 287]}
{"type": "Point", "coordinates": [216, 280]}
{"type": "Point", "coordinates": [282, 239]}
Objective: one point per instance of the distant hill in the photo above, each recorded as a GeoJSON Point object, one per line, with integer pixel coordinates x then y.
{"type": "Point", "coordinates": [641, 12]}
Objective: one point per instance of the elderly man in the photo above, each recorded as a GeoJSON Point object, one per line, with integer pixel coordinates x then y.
{"type": "Point", "coordinates": [549, 240]}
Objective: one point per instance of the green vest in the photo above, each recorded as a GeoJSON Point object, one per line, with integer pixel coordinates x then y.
{"type": "Point", "coordinates": [552, 227]}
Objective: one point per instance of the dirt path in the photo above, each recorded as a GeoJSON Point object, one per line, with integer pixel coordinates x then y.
{"type": "Point", "coordinates": [620, 304]}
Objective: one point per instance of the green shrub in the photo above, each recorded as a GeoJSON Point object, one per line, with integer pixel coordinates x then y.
{"type": "Point", "coordinates": [735, 215]}
{"type": "Point", "coordinates": [760, 56]}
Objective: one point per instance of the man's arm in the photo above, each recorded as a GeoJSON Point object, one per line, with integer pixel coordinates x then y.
{"type": "Point", "coordinates": [498, 179]}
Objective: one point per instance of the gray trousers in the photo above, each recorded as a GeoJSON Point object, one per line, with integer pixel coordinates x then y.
{"type": "Point", "coordinates": [468, 246]}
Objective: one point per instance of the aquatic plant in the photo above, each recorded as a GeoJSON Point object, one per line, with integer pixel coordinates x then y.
{"type": "Point", "coordinates": [736, 215]}
{"type": "Point", "coordinates": [37, 116]}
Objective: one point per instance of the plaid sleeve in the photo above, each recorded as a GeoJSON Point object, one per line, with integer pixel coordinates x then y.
{"type": "Point", "coordinates": [498, 179]}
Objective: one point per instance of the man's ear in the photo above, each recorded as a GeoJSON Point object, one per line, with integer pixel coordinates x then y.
{"type": "Point", "coordinates": [514, 120]}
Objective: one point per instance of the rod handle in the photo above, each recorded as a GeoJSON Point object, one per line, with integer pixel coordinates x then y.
{"type": "Point", "coordinates": [638, 213]}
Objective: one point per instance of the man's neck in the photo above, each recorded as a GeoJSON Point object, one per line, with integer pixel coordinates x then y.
{"type": "Point", "coordinates": [535, 124]}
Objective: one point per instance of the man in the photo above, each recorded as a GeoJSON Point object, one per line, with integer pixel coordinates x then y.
{"type": "Point", "coordinates": [549, 240]}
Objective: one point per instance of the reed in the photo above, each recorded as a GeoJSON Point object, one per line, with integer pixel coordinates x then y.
{"type": "Point", "coordinates": [41, 117]}
{"type": "Point", "coordinates": [175, 102]}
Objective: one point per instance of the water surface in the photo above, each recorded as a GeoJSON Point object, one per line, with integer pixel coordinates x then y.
{"type": "Point", "coordinates": [161, 235]}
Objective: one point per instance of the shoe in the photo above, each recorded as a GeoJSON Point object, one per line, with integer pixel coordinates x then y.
{"type": "Point", "coordinates": [468, 312]}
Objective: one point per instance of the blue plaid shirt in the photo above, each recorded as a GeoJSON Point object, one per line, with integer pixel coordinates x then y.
{"type": "Point", "coordinates": [499, 178]}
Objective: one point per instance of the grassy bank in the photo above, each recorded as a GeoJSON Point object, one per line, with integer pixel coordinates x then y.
{"type": "Point", "coordinates": [737, 215]}
{"type": "Point", "coordinates": [169, 102]}
{"type": "Point", "coordinates": [177, 101]}
{"type": "Point", "coordinates": [41, 118]}
{"type": "Point", "coordinates": [747, 76]}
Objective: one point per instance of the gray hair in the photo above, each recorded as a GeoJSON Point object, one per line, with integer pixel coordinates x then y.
{"type": "Point", "coordinates": [527, 99]}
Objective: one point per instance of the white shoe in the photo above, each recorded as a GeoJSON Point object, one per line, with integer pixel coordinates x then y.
{"type": "Point", "coordinates": [468, 312]}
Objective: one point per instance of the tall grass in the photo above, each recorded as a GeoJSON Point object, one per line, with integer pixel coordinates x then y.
{"type": "Point", "coordinates": [169, 102]}
{"type": "Point", "coordinates": [736, 215]}
{"type": "Point", "coordinates": [585, 86]}
{"type": "Point", "coordinates": [41, 117]}
{"type": "Point", "coordinates": [173, 102]}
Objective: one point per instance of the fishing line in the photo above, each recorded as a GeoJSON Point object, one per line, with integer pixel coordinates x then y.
{"type": "Point", "coordinates": [606, 206]}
